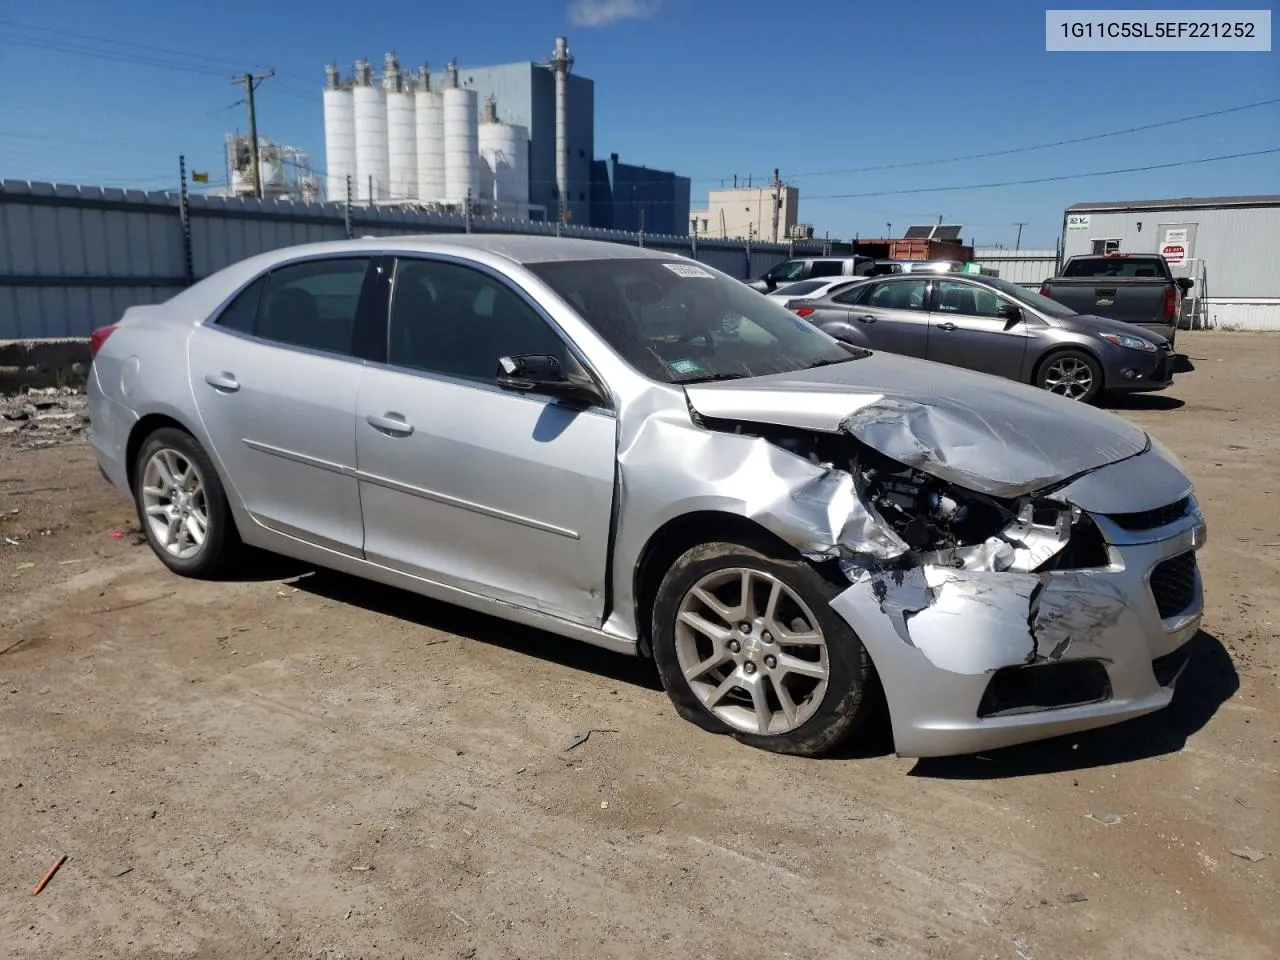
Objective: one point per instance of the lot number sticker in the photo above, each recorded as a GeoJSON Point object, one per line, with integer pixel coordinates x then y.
{"type": "Point", "coordinates": [688, 270]}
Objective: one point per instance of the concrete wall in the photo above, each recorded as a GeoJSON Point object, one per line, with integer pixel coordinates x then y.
{"type": "Point", "coordinates": [73, 258]}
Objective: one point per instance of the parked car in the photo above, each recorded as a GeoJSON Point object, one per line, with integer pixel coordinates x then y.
{"type": "Point", "coordinates": [997, 327]}
{"type": "Point", "coordinates": [811, 268]}
{"type": "Point", "coordinates": [809, 289]}
{"type": "Point", "coordinates": [625, 447]}
{"type": "Point", "coordinates": [1130, 287]}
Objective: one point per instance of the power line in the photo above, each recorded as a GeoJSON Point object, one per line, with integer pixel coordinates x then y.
{"type": "Point", "coordinates": [1041, 146]}
{"type": "Point", "coordinates": [1065, 176]}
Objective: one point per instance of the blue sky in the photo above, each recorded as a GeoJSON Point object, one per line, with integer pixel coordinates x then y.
{"type": "Point", "coordinates": [709, 88]}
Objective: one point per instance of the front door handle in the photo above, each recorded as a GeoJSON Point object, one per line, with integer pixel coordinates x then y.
{"type": "Point", "coordinates": [392, 423]}
{"type": "Point", "coordinates": [946, 326]}
{"type": "Point", "coordinates": [222, 382]}
{"type": "Point", "coordinates": [867, 319]}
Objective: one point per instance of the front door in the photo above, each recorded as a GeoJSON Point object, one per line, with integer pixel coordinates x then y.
{"type": "Point", "coordinates": [966, 330]}
{"type": "Point", "coordinates": [505, 495]}
{"type": "Point", "coordinates": [275, 386]}
{"type": "Point", "coordinates": [892, 314]}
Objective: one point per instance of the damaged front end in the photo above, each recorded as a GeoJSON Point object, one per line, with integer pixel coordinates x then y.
{"type": "Point", "coordinates": [995, 609]}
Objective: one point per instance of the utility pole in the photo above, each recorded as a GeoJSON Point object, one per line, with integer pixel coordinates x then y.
{"type": "Point", "coordinates": [346, 210]}
{"type": "Point", "coordinates": [777, 202]}
{"type": "Point", "coordinates": [1020, 224]}
{"type": "Point", "coordinates": [250, 82]}
{"type": "Point", "coordinates": [184, 213]}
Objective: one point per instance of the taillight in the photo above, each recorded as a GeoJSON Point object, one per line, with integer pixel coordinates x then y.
{"type": "Point", "coordinates": [98, 338]}
{"type": "Point", "coordinates": [1171, 303]}
{"type": "Point", "coordinates": [803, 311]}
{"type": "Point", "coordinates": [1044, 290]}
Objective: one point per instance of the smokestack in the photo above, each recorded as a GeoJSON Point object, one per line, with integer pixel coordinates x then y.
{"type": "Point", "coordinates": [561, 61]}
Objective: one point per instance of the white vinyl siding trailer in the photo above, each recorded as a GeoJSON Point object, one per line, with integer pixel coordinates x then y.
{"type": "Point", "coordinates": [1228, 245]}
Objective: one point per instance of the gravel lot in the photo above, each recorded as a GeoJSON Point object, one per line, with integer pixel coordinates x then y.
{"type": "Point", "coordinates": [299, 764]}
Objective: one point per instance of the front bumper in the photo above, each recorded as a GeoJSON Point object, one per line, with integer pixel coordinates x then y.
{"type": "Point", "coordinates": [1131, 371]}
{"type": "Point", "coordinates": [938, 642]}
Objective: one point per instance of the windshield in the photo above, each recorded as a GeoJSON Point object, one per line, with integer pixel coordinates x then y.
{"type": "Point", "coordinates": [678, 322]}
{"type": "Point", "coordinates": [1051, 307]}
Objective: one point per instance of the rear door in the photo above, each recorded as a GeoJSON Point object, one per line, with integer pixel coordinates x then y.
{"type": "Point", "coordinates": [275, 378]}
{"type": "Point", "coordinates": [504, 495]}
{"type": "Point", "coordinates": [890, 315]}
{"type": "Point", "coordinates": [966, 329]}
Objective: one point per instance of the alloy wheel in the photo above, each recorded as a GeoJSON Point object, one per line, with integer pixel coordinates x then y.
{"type": "Point", "coordinates": [752, 651]}
{"type": "Point", "coordinates": [173, 501]}
{"type": "Point", "coordinates": [1069, 377]}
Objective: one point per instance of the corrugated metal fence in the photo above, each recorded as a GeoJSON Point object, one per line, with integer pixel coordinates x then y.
{"type": "Point", "coordinates": [73, 258]}
{"type": "Point", "coordinates": [1028, 268]}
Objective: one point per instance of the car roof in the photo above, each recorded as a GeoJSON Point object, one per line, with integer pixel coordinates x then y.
{"type": "Point", "coordinates": [517, 248]}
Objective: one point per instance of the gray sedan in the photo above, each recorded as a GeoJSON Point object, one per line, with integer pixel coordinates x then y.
{"type": "Point", "coordinates": [994, 326]}
{"type": "Point", "coordinates": [627, 448]}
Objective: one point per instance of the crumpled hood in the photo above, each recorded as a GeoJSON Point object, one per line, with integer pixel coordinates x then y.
{"type": "Point", "coordinates": [984, 433]}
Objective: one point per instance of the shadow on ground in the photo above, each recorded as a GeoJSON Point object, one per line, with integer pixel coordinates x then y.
{"type": "Point", "coordinates": [1209, 680]}
{"type": "Point", "coordinates": [447, 618]}
{"type": "Point", "coordinates": [1140, 401]}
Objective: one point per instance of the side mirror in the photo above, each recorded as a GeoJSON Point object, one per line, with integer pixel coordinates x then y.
{"type": "Point", "coordinates": [769, 282]}
{"type": "Point", "coordinates": [1184, 283]}
{"type": "Point", "coordinates": [542, 374]}
{"type": "Point", "coordinates": [1010, 312]}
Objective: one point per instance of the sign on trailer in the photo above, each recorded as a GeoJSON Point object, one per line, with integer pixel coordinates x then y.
{"type": "Point", "coordinates": [1078, 221]}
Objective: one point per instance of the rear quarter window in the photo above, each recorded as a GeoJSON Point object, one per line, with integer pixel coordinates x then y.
{"type": "Point", "coordinates": [241, 314]}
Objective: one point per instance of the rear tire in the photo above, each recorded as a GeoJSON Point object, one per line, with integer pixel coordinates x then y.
{"type": "Point", "coordinates": [182, 507]}
{"type": "Point", "coordinates": [1073, 374]}
{"type": "Point", "coordinates": [796, 680]}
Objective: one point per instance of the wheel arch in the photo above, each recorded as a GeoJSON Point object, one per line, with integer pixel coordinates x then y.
{"type": "Point", "coordinates": [677, 535]}
{"type": "Point", "coordinates": [145, 427]}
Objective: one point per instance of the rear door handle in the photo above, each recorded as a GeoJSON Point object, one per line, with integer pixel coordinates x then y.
{"type": "Point", "coordinates": [222, 382]}
{"type": "Point", "coordinates": [866, 319]}
{"type": "Point", "coordinates": [392, 423]}
{"type": "Point", "coordinates": [946, 326]}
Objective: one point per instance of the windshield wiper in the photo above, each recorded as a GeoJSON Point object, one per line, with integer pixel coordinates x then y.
{"type": "Point", "coordinates": [827, 363]}
{"type": "Point", "coordinates": [713, 376]}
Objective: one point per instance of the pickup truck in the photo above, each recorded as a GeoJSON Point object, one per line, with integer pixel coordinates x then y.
{"type": "Point", "coordinates": [1133, 287]}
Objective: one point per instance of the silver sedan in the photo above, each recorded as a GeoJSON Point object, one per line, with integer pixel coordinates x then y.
{"type": "Point", "coordinates": [627, 448]}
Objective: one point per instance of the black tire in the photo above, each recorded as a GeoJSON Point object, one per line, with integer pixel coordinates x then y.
{"type": "Point", "coordinates": [1049, 365]}
{"type": "Point", "coordinates": [222, 541]}
{"type": "Point", "coordinates": [851, 682]}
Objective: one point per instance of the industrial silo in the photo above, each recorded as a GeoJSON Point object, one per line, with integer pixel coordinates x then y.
{"type": "Point", "coordinates": [339, 136]}
{"type": "Point", "coordinates": [402, 144]}
{"type": "Point", "coordinates": [429, 123]}
{"type": "Point", "coordinates": [504, 151]}
{"type": "Point", "coordinates": [461, 144]}
{"type": "Point", "coordinates": [372, 163]}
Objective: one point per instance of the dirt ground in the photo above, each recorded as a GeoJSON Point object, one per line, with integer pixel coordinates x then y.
{"type": "Point", "coordinates": [301, 764]}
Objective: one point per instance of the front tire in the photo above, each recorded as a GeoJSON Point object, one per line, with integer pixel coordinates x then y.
{"type": "Point", "coordinates": [1073, 374]}
{"type": "Point", "coordinates": [181, 505]}
{"type": "Point", "coordinates": [746, 643]}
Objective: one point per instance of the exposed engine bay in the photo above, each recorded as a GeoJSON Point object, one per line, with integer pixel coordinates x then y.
{"type": "Point", "coordinates": [941, 523]}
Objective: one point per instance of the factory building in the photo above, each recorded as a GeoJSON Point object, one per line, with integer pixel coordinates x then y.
{"type": "Point", "coordinates": [1225, 244]}
{"type": "Point", "coordinates": [632, 198]}
{"type": "Point", "coordinates": [749, 213]}
{"type": "Point", "coordinates": [512, 140]}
